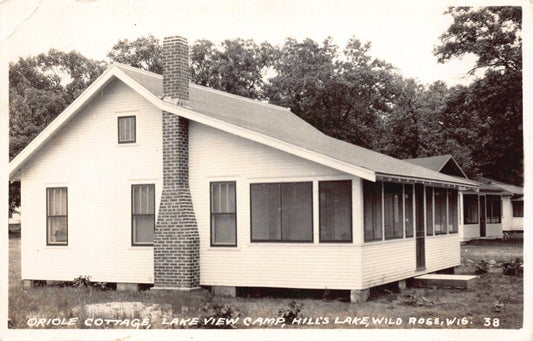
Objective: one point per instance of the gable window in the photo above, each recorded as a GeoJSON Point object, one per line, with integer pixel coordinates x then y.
{"type": "Point", "coordinates": [393, 209]}
{"type": "Point", "coordinates": [281, 212]}
{"type": "Point", "coordinates": [56, 216]}
{"type": "Point", "coordinates": [372, 202]}
{"type": "Point", "coordinates": [126, 129]}
{"type": "Point", "coordinates": [453, 224]}
{"type": "Point", "coordinates": [223, 214]}
{"type": "Point", "coordinates": [518, 208]}
{"type": "Point", "coordinates": [143, 214]}
{"type": "Point", "coordinates": [335, 211]}
{"type": "Point", "coordinates": [493, 209]}
{"type": "Point", "coordinates": [470, 209]}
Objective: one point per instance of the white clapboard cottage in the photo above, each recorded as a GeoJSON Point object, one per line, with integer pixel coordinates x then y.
{"type": "Point", "coordinates": [151, 179]}
{"type": "Point", "coordinates": [496, 208]}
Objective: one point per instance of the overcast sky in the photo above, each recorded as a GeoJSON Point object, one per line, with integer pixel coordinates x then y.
{"type": "Point", "coordinates": [403, 33]}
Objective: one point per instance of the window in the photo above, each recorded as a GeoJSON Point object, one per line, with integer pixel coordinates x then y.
{"type": "Point", "coordinates": [56, 216]}
{"type": "Point", "coordinates": [126, 129]}
{"type": "Point", "coordinates": [393, 209]}
{"type": "Point", "coordinates": [223, 214]}
{"type": "Point", "coordinates": [493, 209]}
{"type": "Point", "coordinates": [518, 208]}
{"type": "Point", "coordinates": [335, 211]}
{"type": "Point", "coordinates": [440, 210]}
{"type": "Point", "coordinates": [452, 211]}
{"type": "Point", "coordinates": [408, 197]}
{"type": "Point", "coordinates": [143, 214]}
{"type": "Point", "coordinates": [470, 209]}
{"type": "Point", "coordinates": [282, 212]}
{"type": "Point", "coordinates": [429, 211]}
{"type": "Point", "coordinates": [372, 201]}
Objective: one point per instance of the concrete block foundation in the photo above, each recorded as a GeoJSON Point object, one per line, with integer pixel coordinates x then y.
{"type": "Point", "coordinates": [222, 290]}
{"type": "Point", "coordinates": [358, 296]}
{"type": "Point", "coordinates": [127, 287]}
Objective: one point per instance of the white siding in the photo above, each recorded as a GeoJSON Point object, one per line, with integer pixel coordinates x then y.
{"type": "Point", "coordinates": [510, 223]}
{"type": "Point", "coordinates": [442, 252]}
{"type": "Point", "coordinates": [387, 261]}
{"type": "Point", "coordinates": [86, 158]}
{"type": "Point", "coordinates": [215, 156]}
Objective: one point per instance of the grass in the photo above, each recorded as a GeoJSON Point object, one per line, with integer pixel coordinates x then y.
{"type": "Point", "coordinates": [494, 296]}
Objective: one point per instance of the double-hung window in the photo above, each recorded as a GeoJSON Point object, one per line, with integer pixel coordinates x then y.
{"type": "Point", "coordinates": [281, 212]}
{"type": "Point", "coordinates": [143, 214]}
{"type": "Point", "coordinates": [335, 211]}
{"type": "Point", "coordinates": [126, 129]}
{"type": "Point", "coordinates": [518, 208]}
{"type": "Point", "coordinates": [223, 214]}
{"type": "Point", "coordinates": [56, 216]}
{"type": "Point", "coordinates": [494, 211]}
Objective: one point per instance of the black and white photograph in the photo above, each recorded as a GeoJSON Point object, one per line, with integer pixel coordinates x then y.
{"type": "Point", "coordinates": [279, 169]}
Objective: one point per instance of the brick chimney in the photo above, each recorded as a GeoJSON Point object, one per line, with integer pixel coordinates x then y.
{"type": "Point", "coordinates": [176, 239]}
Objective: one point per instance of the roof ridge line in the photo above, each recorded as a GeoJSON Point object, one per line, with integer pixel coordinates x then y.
{"type": "Point", "coordinates": [255, 101]}
{"type": "Point", "coordinates": [133, 68]}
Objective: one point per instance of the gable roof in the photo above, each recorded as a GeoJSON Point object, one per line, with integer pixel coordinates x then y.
{"type": "Point", "coordinates": [264, 123]}
{"type": "Point", "coordinates": [516, 190]}
{"type": "Point", "coordinates": [439, 163]}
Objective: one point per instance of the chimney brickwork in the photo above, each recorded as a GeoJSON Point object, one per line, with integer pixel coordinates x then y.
{"type": "Point", "coordinates": [176, 239]}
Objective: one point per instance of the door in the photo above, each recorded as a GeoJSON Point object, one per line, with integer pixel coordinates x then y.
{"type": "Point", "coordinates": [420, 228]}
{"type": "Point", "coordinates": [482, 221]}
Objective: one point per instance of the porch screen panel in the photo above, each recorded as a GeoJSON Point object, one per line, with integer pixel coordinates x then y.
{"type": "Point", "coordinates": [453, 223]}
{"type": "Point", "coordinates": [372, 199]}
{"type": "Point", "coordinates": [335, 211]}
{"type": "Point", "coordinates": [408, 197]}
{"type": "Point", "coordinates": [393, 210]}
{"type": "Point", "coordinates": [429, 211]}
{"type": "Point", "coordinates": [440, 211]}
{"type": "Point", "coordinates": [56, 215]}
{"type": "Point", "coordinates": [266, 209]}
{"type": "Point", "coordinates": [493, 209]}
{"type": "Point", "coordinates": [297, 211]}
{"type": "Point", "coordinates": [470, 209]}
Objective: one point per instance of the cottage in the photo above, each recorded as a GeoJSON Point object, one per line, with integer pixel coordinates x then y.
{"type": "Point", "coordinates": [494, 209]}
{"type": "Point", "coordinates": [151, 179]}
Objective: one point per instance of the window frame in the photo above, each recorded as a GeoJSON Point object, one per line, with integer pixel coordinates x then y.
{"type": "Point", "coordinates": [134, 129]}
{"type": "Point", "coordinates": [320, 240]}
{"type": "Point", "coordinates": [491, 199]}
{"type": "Point", "coordinates": [211, 239]}
{"type": "Point", "coordinates": [375, 195]}
{"type": "Point", "coordinates": [281, 240]}
{"type": "Point", "coordinates": [400, 212]}
{"type": "Point", "coordinates": [48, 242]}
{"type": "Point", "coordinates": [471, 198]}
{"type": "Point", "coordinates": [455, 223]}
{"type": "Point", "coordinates": [519, 208]}
{"type": "Point", "coordinates": [133, 243]}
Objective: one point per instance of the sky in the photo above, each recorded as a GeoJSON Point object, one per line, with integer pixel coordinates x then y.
{"type": "Point", "coordinates": [402, 32]}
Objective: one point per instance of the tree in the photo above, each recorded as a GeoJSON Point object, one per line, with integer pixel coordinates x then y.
{"type": "Point", "coordinates": [237, 67]}
{"type": "Point", "coordinates": [144, 53]}
{"type": "Point", "coordinates": [344, 94]}
{"type": "Point", "coordinates": [40, 88]}
{"type": "Point", "coordinates": [489, 112]}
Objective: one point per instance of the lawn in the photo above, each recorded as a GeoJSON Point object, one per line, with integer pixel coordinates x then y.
{"type": "Point", "coordinates": [495, 301]}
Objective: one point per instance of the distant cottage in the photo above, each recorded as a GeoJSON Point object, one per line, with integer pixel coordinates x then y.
{"type": "Point", "coordinates": [151, 179]}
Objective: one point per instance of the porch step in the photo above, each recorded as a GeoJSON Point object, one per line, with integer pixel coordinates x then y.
{"type": "Point", "coordinates": [444, 280]}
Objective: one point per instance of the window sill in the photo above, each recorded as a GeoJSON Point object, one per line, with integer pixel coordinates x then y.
{"type": "Point", "coordinates": [388, 241]}
{"type": "Point", "coordinates": [57, 247]}
{"type": "Point", "coordinates": [223, 248]}
{"type": "Point", "coordinates": [130, 144]}
{"type": "Point", "coordinates": [299, 244]}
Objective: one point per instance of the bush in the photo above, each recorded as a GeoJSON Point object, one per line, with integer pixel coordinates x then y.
{"type": "Point", "coordinates": [482, 267]}
{"type": "Point", "coordinates": [85, 281]}
{"type": "Point", "coordinates": [513, 268]}
{"type": "Point", "coordinates": [291, 313]}
{"type": "Point", "coordinates": [214, 311]}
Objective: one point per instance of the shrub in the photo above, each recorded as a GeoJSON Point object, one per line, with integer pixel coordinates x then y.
{"type": "Point", "coordinates": [81, 281]}
{"type": "Point", "coordinates": [292, 312]}
{"type": "Point", "coordinates": [513, 268]}
{"type": "Point", "coordinates": [214, 311]}
{"type": "Point", "coordinates": [482, 267]}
